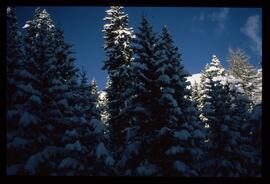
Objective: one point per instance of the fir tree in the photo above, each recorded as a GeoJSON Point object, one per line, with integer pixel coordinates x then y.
{"type": "Point", "coordinates": [140, 105]}
{"type": "Point", "coordinates": [14, 57]}
{"type": "Point", "coordinates": [42, 49]}
{"type": "Point", "coordinates": [18, 92]}
{"type": "Point", "coordinates": [224, 108]}
{"type": "Point", "coordinates": [157, 125]}
{"type": "Point", "coordinates": [180, 114]}
{"type": "Point", "coordinates": [84, 138]}
{"type": "Point", "coordinates": [117, 36]}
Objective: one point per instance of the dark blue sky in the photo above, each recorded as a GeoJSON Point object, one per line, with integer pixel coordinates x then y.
{"type": "Point", "coordinates": [198, 32]}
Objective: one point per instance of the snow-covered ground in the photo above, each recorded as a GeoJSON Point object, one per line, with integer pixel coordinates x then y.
{"type": "Point", "coordinates": [194, 78]}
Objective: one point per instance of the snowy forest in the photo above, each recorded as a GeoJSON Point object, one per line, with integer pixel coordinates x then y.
{"type": "Point", "coordinates": [153, 118]}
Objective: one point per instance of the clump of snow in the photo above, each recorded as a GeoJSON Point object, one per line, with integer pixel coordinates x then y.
{"type": "Point", "coordinates": [164, 130]}
{"type": "Point", "coordinates": [147, 169]}
{"type": "Point", "coordinates": [35, 99]}
{"type": "Point", "coordinates": [198, 134]}
{"type": "Point", "coordinates": [98, 126]}
{"type": "Point", "coordinates": [75, 146]}
{"type": "Point", "coordinates": [83, 120]}
{"type": "Point", "coordinates": [26, 25]}
{"type": "Point", "coordinates": [63, 102]}
{"type": "Point", "coordinates": [18, 142]}
{"type": "Point", "coordinates": [182, 134]}
{"type": "Point", "coordinates": [72, 133]}
{"type": "Point", "coordinates": [174, 150]}
{"type": "Point", "coordinates": [27, 88]}
{"type": "Point", "coordinates": [34, 161]}
{"type": "Point", "coordinates": [132, 148]}
{"type": "Point", "coordinates": [164, 78]}
{"type": "Point", "coordinates": [68, 162]}
{"type": "Point", "coordinates": [168, 97]}
{"type": "Point", "coordinates": [180, 166]}
{"type": "Point", "coordinates": [194, 78]}
{"type": "Point", "coordinates": [25, 74]}
{"type": "Point", "coordinates": [101, 150]}
{"type": "Point", "coordinates": [109, 161]}
{"type": "Point", "coordinates": [27, 119]}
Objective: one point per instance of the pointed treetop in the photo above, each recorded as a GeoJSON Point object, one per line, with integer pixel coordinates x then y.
{"type": "Point", "coordinates": [215, 61]}
{"type": "Point", "coordinates": [94, 82]}
{"type": "Point", "coordinates": [10, 10]}
{"type": "Point", "coordinates": [37, 10]}
{"type": "Point", "coordinates": [165, 28]}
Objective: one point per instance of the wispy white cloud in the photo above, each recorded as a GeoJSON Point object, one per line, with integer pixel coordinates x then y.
{"type": "Point", "coordinates": [251, 30]}
{"type": "Point", "coordinates": [217, 17]}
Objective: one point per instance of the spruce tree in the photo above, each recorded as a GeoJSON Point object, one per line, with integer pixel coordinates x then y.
{"type": "Point", "coordinates": [180, 113]}
{"type": "Point", "coordinates": [140, 105]}
{"type": "Point", "coordinates": [157, 126]}
{"type": "Point", "coordinates": [117, 44]}
{"type": "Point", "coordinates": [18, 114]}
{"type": "Point", "coordinates": [14, 57]}
{"type": "Point", "coordinates": [30, 100]}
{"type": "Point", "coordinates": [224, 108]}
{"type": "Point", "coordinates": [85, 146]}
{"type": "Point", "coordinates": [42, 62]}
{"type": "Point", "coordinates": [241, 153]}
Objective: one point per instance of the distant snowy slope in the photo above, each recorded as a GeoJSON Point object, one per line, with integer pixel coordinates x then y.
{"type": "Point", "coordinates": [194, 78]}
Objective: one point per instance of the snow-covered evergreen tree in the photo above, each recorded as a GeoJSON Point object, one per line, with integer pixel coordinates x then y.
{"type": "Point", "coordinates": [117, 36]}
{"type": "Point", "coordinates": [158, 129]}
{"type": "Point", "coordinates": [37, 42]}
{"type": "Point", "coordinates": [211, 86]}
{"type": "Point", "coordinates": [58, 118]}
{"type": "Point", "coordinates": [14, 57]}
{"type": "Point", "coordinates": [141, 102]}
{"type": "Point", "coordinates": [214, 105]}
{"type": "Point", "coordinates": [43, 63]}
{"type": "Point", "coordinates": [241, 153]}
{"type": "Point", "coordinates": [85, 146]}
{"type": "Point", "coordinates": [177, 113]}
{"type": "Point", "coordinates": [224, 107]}
{"type": "Point", "coordinates": [240, 68]}
{"type": "Point", "coordinates": [18, 91]}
